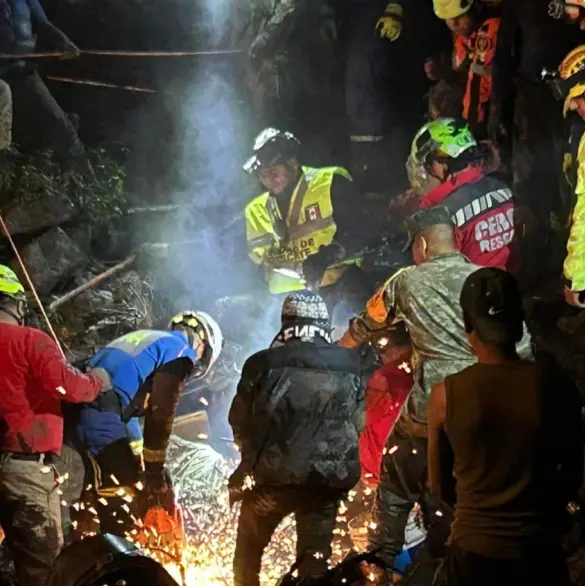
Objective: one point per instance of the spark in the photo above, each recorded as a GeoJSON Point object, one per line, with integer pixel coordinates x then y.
{"type": "Point", "coordinates": [139, 485]}
{"type": "Point", "coordinates": [204, 401]}
{"type": "Point", "coordinates": [63, 503]}
{"type": "Point", "coordinates": [393, 450]}
{"type": "Point", "coordinates": [92, 511]}
{"type": "Point", "coordinates": [439, 513]}
{"type": "Point", "coordinates": [414, 451]}
{"type": "Point", "coordinates": [202, 436]}
{"type": "Point", "coordinates": [115, 480]}
{"type": "Point", "coordinates": [405, 367]}
{"type": "Point", "coordinates": [61, 390]}
{"type": "Point", "coordinates": [103, 501]}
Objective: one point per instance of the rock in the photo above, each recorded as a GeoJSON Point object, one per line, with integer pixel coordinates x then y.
{"type": "Point", "coordinates": [94, 300]}
{"type": "Point", "coordinates": [52, 258]}
{"type": "Point", "coordinates": [37, 215]}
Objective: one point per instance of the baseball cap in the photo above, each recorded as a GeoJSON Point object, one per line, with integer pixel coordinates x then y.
{"type": "Point", "coordinates": [492, 305]}
{"type": "Point", "coordinates": [425, 218]}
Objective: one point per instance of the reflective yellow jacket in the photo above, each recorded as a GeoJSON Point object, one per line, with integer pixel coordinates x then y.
{"type": "Point", "coordinates": [310, 225]}
{"type": "Point", "coordinates": [575, 262]}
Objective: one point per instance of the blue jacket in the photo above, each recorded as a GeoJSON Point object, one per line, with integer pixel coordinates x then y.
{"type": "Point", "coordinates": [20, 24]}
{"type": "Point", "coordinates": [129, 360]}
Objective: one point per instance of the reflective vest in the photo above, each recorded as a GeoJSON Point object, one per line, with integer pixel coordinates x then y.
{"type": "Point", "coordinates": [574, 267]}
{"type": "Point", "coordinates": [477, 53]}
{"type": "Point", "coordinates": [309, 225]}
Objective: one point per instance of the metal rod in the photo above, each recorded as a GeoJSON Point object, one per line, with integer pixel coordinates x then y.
{"type": "Point", "coordinates": [93, 282]}
{"type": "Point", "coordinates": [93, 83]}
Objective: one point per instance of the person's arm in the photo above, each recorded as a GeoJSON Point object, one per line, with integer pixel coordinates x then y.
{"type": "Point", "coordinates": [58, 378]}
{"type": "Point", "coordinates": [275, 30]}
{"type": "Point", "coordinates": [240, 415]}
{"type": "Point", "coordinates": [167, 383]}
{"type": "Point", "coordinates": [437, 408]}
{"type": "Point", "coordinates": [574, 267]}
{"type": "Point", "coordinates": [46, 30]}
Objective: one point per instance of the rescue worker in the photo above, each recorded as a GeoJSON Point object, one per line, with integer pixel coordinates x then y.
{"type": "Point", "coordinates": [524, 115]}
{"type": "Point", "coordinates": [569, 86]}
{"type": "Point", "coordinates": [426, 297]}
{"type": "Point", "coordinates": [386, 392]}
{"type": "Point", "coordinates": [307, 226]}
{"type": "Point", "coordinates": [148, 370]}
{"type": "Point", "coordinates": [293, 72]}
{"type": "Point", "coordinates": [35, 381]}
{"type": "Point", "coordinates": [507, 433]}
{"type": "Point", "coordinates": [22, 23]}
{"type": "Point", "coordinates": [385, 84]}
{"type": "Point", "coordinates": [475, 31]}
{"type": "Point", "coordinates": [296, 417]}
{"type": "Point", "coordinates": [571, 10]}
{"type": "Point", "coordinates": [445, 167]}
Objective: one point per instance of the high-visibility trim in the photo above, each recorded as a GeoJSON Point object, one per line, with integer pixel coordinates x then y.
{"type": "Point", "coordinates": [154, 456]}
{"type": "Point", "coordinates": [137, 447]}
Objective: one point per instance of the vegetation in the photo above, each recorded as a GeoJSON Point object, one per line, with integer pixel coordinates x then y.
{"type": "Point", "coordinates": [28, 178]}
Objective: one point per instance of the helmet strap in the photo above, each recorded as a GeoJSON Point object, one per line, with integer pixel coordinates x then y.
{"type": "Point", "coordinates": [19, 320]}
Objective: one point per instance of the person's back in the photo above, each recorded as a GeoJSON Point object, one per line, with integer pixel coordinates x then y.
{"type": "Point", "coordinates": [497, 426]}
{"type": "Point", "coordinates": [509, 433]}
{"type": "Point", "coordinates": [304, 416]}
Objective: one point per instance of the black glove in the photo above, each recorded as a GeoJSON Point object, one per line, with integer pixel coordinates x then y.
{"type": "Point", "coordinates": [315, 265]}
{"type": "Point", "coordinates": [158, 487]}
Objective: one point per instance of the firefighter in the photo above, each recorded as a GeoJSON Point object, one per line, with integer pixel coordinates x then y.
{"type": "Point", "coordinates": [296, 417]}
{"type": "Point", "coordinates": [386, 45]}
{"type": "Point", "coordinates": [35, 381]}
{"type": "Point", "coordinates": [445, 167]}
{"type": "Point", "coordinates": [148, 369]}
{"type": "Point", "coordinates": [475, 29]}
{"type": "Point", "coordinates": [426, 297]}
{"type": "Point", "coordinates": [306, 229]}
{"type": "Point", "coordinates": [569, 86]}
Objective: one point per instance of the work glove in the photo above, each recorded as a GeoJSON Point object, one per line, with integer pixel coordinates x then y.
{"type": "Point", "coordinates": [104, 376]}
{"type": "Point", "coordinates": [158, 488]}
{"type": "Point", "coordinates": [315, 265]}
{"type": "Point", "coordinates": [389, 26]}
{"type": "Point", "coordinates": [575, 298]}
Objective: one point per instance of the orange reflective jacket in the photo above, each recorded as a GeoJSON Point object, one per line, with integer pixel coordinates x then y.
{"type": "Point", "coordinates": [476, 54]}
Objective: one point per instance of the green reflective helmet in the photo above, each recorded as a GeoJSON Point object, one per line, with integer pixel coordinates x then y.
{"type": "Point", "coordinates": [443, 138]}
{"type": "Point", "coordinates": [10, 286]}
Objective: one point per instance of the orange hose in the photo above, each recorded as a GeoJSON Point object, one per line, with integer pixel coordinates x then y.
{"type": "Point", "coordinates": [30, 284]}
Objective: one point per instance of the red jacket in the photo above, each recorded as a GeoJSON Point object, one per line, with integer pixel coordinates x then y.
{"type": "Point", "coordinates": [482, 208]}
{"type": "Point", "coordinates": [34, 380]}
{"type": "Point", "coordinates": [386, 392]}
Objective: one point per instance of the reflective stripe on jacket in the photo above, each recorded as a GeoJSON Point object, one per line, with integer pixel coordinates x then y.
{"type": "Point", "coordinates": [130, 360]}
{"type": "Point", "coordinates": [574, 267]}
{"type": "Point", "coordinates": [476, 53]}
{"type": "Point", "coordinates": [310, 225]}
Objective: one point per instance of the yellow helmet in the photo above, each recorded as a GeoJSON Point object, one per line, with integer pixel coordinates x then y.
{"type": "Point", "coordinates": [570, 82]}
{"type": "Point", "coordinates": [10, 286]}
{"type": "Point", "coordinates": [446, 9]}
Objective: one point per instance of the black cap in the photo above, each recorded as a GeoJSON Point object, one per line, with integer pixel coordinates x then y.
{"type": "Point", "coordinates": [421, 219]}
{"type": "Point", "coordinates": [492, 306]}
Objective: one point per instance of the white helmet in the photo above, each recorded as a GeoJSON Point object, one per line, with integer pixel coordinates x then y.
{"type": "Point", "coordinates": [208, 330]}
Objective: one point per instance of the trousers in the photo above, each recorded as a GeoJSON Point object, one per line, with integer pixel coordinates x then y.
{"type": "Point", "coordinates": [30, 514]}
{"type": "Point", "coordinates": [262, 511]}
{"type": "Point", "coordinates": [463, 568]}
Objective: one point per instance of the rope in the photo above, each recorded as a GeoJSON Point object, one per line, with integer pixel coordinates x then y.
{"type": "Point", "coordinates": [31, 285]}
{"type": "Point", "coordinates": [91, 82]}
{"type": "Point", "coordinates": [107, 53]}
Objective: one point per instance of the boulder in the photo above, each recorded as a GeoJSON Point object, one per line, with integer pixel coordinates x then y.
{"type": "Point", "coordinates": [33, 216]}
{"type": "Point", "coordinates": [51, 259]}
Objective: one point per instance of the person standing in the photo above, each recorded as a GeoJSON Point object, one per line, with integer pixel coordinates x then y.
{"type": "Point", "coordinates": [296, 417]}
{"type": "Point", "coordinates": [35, 381]}
{"type": "Point", "coordinates": [507, 432]}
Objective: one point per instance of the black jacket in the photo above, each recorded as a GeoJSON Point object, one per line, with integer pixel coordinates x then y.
{"type": "Point", "coordinates": [297, 415]}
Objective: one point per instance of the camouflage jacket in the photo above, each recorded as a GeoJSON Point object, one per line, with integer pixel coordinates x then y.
{"type": "Point", "coordinates": [297, 415]}
{"type": "Point", "coordinates": [426, 298]}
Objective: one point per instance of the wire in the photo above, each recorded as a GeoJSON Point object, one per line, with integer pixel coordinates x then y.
{"type": "Point", "coordinates": [107, 53]}
{"type": "Point", "coordinates": [30, 284]}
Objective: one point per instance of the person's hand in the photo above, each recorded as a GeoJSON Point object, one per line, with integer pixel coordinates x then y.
{"type": "Point", "coordinates": [158, 488]}
{"type": "Point", "coordinates": [315, 265]}
{"type": "Point", "coordinates": [105, 377]}
{"type": "Point", "coordinates": [575, 298]}
{"type": "Point", "coordinates": [258, 47]}
{"type": "Point", "coordinates": [69, 48]}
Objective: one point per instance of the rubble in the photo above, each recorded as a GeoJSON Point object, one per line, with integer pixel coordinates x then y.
{"type": "Point", "coordinates": [39, 214]}
{"type": "Point", "coordinates": [52, 258]}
